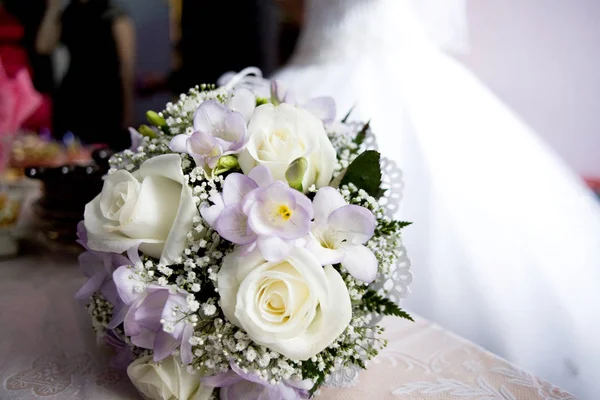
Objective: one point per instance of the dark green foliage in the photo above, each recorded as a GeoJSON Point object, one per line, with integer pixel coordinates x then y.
{"type": "Point", "coordinates": [373, 302]}
{"type": "Point", "coordinates": [387, 227]}
{"type": "Point", "coordinates": [365, 173]}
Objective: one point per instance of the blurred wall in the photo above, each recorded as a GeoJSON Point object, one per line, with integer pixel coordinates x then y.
{"type": "Point", "coordinates": [542, 57]}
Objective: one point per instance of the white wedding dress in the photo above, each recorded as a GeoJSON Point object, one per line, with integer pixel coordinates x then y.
{"type": "Point", "coordinates": [505, 245]}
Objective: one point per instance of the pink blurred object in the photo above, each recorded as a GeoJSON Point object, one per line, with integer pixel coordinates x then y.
{"type": "Point", "coordinates": [18, 101]}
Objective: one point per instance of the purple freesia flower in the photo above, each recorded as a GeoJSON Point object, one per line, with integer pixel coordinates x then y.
{"type": "Point", "coordinates": [321, 107]}
{"type": "Point", "coordinates": [124, 354]}
{"type": "Point", "coordinates": [98, 267]}
{"type": "Point", "coordinates": [339, 232]}
{"type": "Point", "coordinates": [153, 316]}
{"type": "Point", "coordinates": [255, 211]}
{"type": "Point", "coordinates": [237, 384]}
{"type": "Point", "coordinates": [136, 139]}
{"type": "Point", "coordinates": [243, 101]}
{"type": "Point", "coordinates": [218, 131]}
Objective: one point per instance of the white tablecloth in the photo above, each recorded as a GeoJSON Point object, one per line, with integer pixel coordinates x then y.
{"type": "Point", "coordinates": [48, 350]}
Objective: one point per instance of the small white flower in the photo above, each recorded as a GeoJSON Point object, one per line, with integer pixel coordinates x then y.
{"type": "Point", "coordinates": [209, 309]}
{"type": "Point", "coordinates": [168, 327]}
{"type": "Point", "coordinates": [251, 354]}
{"type": "Point", "coordinates": [162, 281]}
{"type": "Point", "coordinates": [193, 305]}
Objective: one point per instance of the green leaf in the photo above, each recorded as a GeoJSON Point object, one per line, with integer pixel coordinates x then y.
{"type": "Point", "coordinates": [310, 370]}
{"type": "Point", "coordinates": [362, 134]}
{"type": "Point", "coordinates": [387, 227]}
{"type": "Point", "coordinates": [345, 119]}
{"type": "Point", "coordinates": [365, 173]}
{"type": "Point", "coordinates": [260, 101]}
{"type": "Point", "coordinates": [373, 302]}
{"type": "Point", "coordinates": [155, 119]}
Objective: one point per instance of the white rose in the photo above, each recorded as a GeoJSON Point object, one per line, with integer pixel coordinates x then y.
{"type": "Point", "coordinates": [166, 380]}
{"type": "Point", "coordinates": [295, 306]}
{"type": "Point", "coordinates": [279, 135]}
{"type": "Point", "coordinates": [152, 207]}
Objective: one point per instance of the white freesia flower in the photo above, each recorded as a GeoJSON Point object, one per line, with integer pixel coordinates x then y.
{"type": "Point", "coordinates": [281, 134]}
{"type": "Point", "coordinates": [166, 380]}
{"type": "Point", "coordinates": [295, 306]}
{"type": "Point", "coordinates": [152, 208]}
{"type": "Point", "coordinates": [339, 233]}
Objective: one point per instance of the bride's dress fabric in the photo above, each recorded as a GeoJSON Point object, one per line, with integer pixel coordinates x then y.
{"type": "Point", "coordinates": [505, 247]}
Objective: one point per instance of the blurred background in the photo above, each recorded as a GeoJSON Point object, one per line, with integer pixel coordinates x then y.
{"type": "Point", "coordinates": [100, 65]}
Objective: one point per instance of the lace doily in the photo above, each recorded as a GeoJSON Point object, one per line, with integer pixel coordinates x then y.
{"type": "Point", "coordinates": [396, 284]}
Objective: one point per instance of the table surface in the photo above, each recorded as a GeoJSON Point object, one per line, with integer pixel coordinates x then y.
{"type": "Point", "coordinates": [48, 350]}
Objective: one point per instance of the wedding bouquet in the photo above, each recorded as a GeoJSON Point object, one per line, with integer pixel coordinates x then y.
{"type": "Point", "coordinates": [243, 248]}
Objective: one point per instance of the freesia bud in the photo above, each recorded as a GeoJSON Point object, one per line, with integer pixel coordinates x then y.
{"type": "Point", "coordinates": [277, 93]}
{"type": "Point", "coordinates": [295, 173]}
{"type": "Point", "coordinates": [155, 119]}
{"type": "Point", "coordinates": [228, 162]}
{"type": "Point", "coordinates": [145, 130]}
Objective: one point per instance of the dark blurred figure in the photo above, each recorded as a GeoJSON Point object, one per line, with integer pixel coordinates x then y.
{"type": "Point", "coordinates": [292, 20]}
{"type": "Point", "coordinates": [95, 99]}
{"type": "Point", "coordinates": [30, 14]}
{"type": "Point", "coordinates": [221, 36]}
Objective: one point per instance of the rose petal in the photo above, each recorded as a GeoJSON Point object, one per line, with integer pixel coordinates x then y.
{"type": "Point", "coordinates": [209, 116]}
{"type": "Point", "coordinates": [326, 201]}
{"type": "Point", "coordinates": [360, 262]}
{"type": "Point", "coordinates": [230, 274]}
{"type": "Point", "coordinates": [107, 196]}
{"type": "Point", "coordinates": [169, 165]}
{"type": "Point", "coordinates": [99, 239]}
{"type": "Point", "coordinates": [355, 224]}
{"type": "Point", "coordinates": [333, 317]}
{"type": "Point", "coordinates": [155, 211]}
